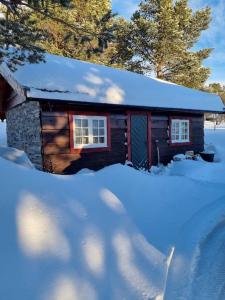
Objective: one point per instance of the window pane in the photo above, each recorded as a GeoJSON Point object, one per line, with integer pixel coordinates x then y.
{"type": "Point", "coordinates": [101, 123]}
{"type": "Point", "coordinates": [95, 132]}
{"type": "Point", "coordinates": [101, 140]}
{"type": "Point", "coordinates": [85, 140]}
{"type": "Point", "coordinates": [78, 132]}
{"type": "Point", "coordinates": [77, 123]}
{"type": "Point", "coordinates": [78, 141]}
{"type": "Point", "coordinates": [85, 131]}
{"type": "Point", "coordinates": [84, 123]}
{"type": "Point", "coordinates": [101, 131]}
{"type": "Point", "coordinates": [180, 131]}
{"type": "Point", "coordinates": [89, 130]}
{"type": "Point", "coordinates": [95, 123]}
{"type": "Point", "coordinates": [95, 140]}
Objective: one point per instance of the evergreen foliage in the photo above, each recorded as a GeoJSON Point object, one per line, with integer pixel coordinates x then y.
{"type": "Point", "coordinates": [91, 36]}
{"type": "Point", "coordinates": [18, 38]}
{"type": "Point", "coordinates": [78, 28]}
{"type": "Point", "coordinates": [159, 39]}
{"type": "Point", "coordinates": [216, 88]}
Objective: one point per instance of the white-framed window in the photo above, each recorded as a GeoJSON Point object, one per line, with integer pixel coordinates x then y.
{"type": "Point", "coordinates": [180, 131]}
{"type": "Point", "coordinates": [89, 131]}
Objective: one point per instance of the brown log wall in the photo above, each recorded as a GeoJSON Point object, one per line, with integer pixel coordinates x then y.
{"type": "Point", "coordinates": [57, 156]}
{"type": "Point", "coordinates": [56, 145]}
{"type": "Point", "coordinates": [160, 132]}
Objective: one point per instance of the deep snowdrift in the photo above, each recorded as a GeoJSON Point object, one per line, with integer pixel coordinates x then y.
{"type": "Point", "coordinates": [68, 238]}
{"type": "Point", "coordinates": [107, 234]}
{"type": "Point", "coordinates": [2, 133]}
{"type": "Point", "coordinates": [103, 235]}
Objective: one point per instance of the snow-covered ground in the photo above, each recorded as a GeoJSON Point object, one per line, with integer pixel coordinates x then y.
{"type": "Point", "coordinates": [2, 133]}
{"type": "Point", "coordinates": [213, 125]}
{"type": "Point", "coordinates": [113, 234]}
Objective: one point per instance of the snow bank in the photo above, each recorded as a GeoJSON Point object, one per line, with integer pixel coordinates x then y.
{"type": "Point", "coordinates": [200, 170]}
{"type": "Point", "coordinates": [197, 268]}
{"type": "Point", "coordinates": [12, 154]}
{"type": "Point", "coordinates": [69, 79]}
{"type": "Point", "coordinates": [197, 265]}
{"type": "Point", "coordinates": [3, 133]}
{"type": "Point", "coordinates": [15, 156]}
{"type": "Point", "coordinates": [158, 212]}
{"type": "Point", "coordinates": [212, 125]}
{"type": "Point", "coordinates": [215, 139]}
{"type": "Point", "coordinates": [103, 235]}
{"type": "Point", "coordinates": [107, 234]}
{"type": "Point", "coordinates": [70, 237]}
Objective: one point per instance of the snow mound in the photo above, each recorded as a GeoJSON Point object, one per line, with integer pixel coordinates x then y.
{"type": "Point", "coordinates": [197, 268]}
{"type": "Point", "coordinates": [215, 139]}
{"type": "Point", "coordinates": [12, 154]}
{"type": "Point", "coordinates": [199, 169]}
{"type": "Point", "coordinates": [70, 237]}
{"type": "Point", "coordinates": [3, 133]}
{"type": "Point", "coordinates": [15, 156]}
{"type": "Point", "coordinates": [109, 234]}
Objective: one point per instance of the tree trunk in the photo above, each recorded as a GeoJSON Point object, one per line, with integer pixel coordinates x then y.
{"type": "Point", "coordinates": [159, 72]}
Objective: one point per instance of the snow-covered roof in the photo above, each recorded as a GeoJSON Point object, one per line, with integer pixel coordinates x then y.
{"type": "Point", "coordinates": [62, 78]}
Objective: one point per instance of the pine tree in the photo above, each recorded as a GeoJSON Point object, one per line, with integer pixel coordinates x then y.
{"type": "Point", "coordinates": [216, 88]}
{"type": "Point", "coordinates": [159, 39]}
{"type": "Point", "coordinates": [93, 31]}
{"type": "Point", "coordinates": [75, 28]}
{"type": "Point", "coordinates": [18, 38]}
{"type": "Point", "coordinates": [18, 34]}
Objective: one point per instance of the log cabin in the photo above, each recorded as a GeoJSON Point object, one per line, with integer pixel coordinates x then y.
{"type": "Point", "coordinates": [68, 115]}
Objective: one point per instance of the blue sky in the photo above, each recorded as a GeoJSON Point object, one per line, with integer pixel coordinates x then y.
{"type": "Point", "coordinates": [214, 37]}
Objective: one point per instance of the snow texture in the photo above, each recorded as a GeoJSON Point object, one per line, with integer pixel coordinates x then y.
{"type": "Point", "coordinates": [71, 238]}
{"type": "Point", "coordinates": [109, 234]}
{"type": "Point", "coordinates": [16, 156]}
{"type": "Point", "coordinates": [3, 134]}
{"type": "Point", "coordinates": [69, 79]}
{"type": "Point", "coordinates": [11, 154]}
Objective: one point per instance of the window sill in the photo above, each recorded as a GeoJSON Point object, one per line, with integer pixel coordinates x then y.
{"type": "Point", "coordinates": [180, 144]}
{"type": "Point", "coordinates": [89, 150]}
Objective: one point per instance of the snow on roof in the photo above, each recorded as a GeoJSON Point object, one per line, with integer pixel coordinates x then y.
{"type": "Point", "coordinates": [62, 78]}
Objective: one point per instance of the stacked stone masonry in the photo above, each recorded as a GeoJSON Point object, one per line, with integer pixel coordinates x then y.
{"type": "Point", "coordinates": [24, 130]}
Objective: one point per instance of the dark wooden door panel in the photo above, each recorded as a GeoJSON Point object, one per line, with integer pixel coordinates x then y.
{"type": "Point", "coordinates": [139, 141]}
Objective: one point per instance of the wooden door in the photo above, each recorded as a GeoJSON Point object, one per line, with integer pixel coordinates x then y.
{"type": "Point", "coordinates": [139, 140]}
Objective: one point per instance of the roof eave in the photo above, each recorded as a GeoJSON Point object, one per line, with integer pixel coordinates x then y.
{"type": "Point", "coordinates": [15, 85]}
{"type": "Point", "coordinates": [85, 103]}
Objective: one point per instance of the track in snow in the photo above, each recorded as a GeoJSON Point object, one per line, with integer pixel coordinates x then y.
{"type": "Point", "coordinates": [209, 276]}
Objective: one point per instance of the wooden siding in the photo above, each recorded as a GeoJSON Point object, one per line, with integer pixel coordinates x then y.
{"type": "Point", "coordinates": [160, 137]}
{"type": "Point", "coordinates": [56, 145]}
{"type": "Point", "coordinates": [56, 151]}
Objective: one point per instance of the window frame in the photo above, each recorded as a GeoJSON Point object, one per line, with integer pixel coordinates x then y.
{"type": "Point", "coordinates": [91, 147]}
{"type": "Point", "coordinates": [180, 142]}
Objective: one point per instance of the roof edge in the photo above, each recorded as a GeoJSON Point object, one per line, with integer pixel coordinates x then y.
{"type": "Point", "coordinates": [86, 103]}
{"type": "Point", "coordinates": [15, 85]}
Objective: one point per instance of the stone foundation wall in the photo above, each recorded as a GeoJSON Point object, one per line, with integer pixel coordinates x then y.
{"type": "Point", "coordinates": [23, 127]}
